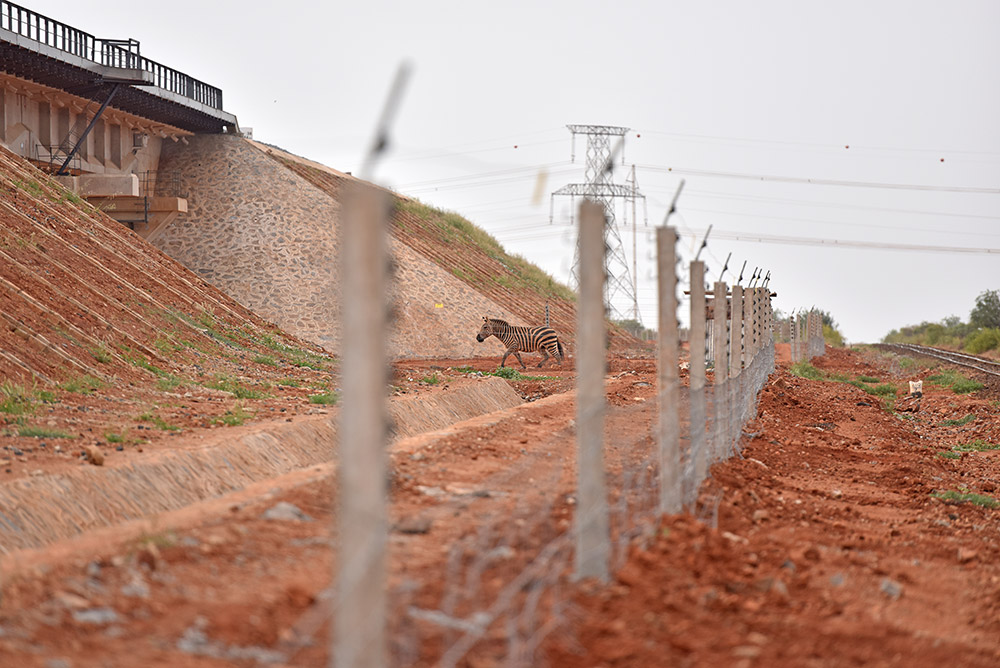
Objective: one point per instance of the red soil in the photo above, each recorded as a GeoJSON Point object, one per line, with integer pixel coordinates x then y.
{"type": "Point", "coordinates": [828, 549]}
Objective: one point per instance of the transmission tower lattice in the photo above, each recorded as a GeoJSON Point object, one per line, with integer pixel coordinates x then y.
{"type": "Point", "coordinates": [619, 290]}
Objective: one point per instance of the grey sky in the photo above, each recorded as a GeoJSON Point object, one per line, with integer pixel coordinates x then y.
{"type": "Point", "coordinates": [762, 88]}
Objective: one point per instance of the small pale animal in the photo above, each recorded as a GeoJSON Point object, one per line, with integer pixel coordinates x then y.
{"type": "Point", "coordinates": [917, 388]}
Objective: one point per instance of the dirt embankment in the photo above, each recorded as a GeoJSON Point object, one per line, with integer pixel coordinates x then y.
{"type": "Point", "coordinates": [846, 534]}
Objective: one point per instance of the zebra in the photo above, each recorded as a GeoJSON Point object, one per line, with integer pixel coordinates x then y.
{"type": "Point", "coordinates": [528, 339]}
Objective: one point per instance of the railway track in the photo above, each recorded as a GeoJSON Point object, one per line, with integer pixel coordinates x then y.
{"type": "Point", "coordinates": [986, 366]}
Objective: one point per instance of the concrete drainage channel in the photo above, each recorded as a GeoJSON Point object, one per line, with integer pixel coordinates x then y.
{"type": "Point", "coordinates": [35, 512]}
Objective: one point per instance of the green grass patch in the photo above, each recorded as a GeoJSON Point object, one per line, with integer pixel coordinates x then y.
{"type": "Point", "coordinates": [82, 384]}
{"type": "Point", "coordinates": [965, 386]}
{"type": "Point", "coordinates": [167, 346]}
{"type": "Point", "coordinates": [33, 188]}
{"type": "Point", "coordinates": [168, 383]}
{"type": "Point", "coordinates": [884, 390]}
{"type": "Point", "coordinates": [158, 421]}
{"type": "Point", "coordinates": [234, 387]}
{"type": "Point", "coordinates": [290, 382]}
{"type": "Point", "coordinates": [234, 417]}
{"type": "Point", "coordinates": [432, 379]}
{"type": "Point", "coordinates": [510, 373]}
{"type": "Point", "coordinates": [868, 379]}
{"type": "Point", "coordinates": [47, 397]}
{"type": "Point", "coordinates": [806, 370]}
{"type": "Point", "coordinates": [112, 437]}
{"type": "Point", "coordinates": [326, 398]}
{"type": "Point", "coordinates": [957, 423]}
{"type": "Point", "coordinates": [42, 432]}
{"type": "Point", "coordinates": [978, 445]}
{"type": "Point", "coordinates": [949, 455]}
{"type": "Point", "coordinates": [140, 361]}
{"type": "Point", "coordinates": [967, 497]}
{"type": "Point", "coordinates": [453, 229]}
{"type": "Point", "coordinates": [465, 369]}
{"type": "Point", "coordinates": [15, 399]}
{"type": "Point", "coordinates": [266, 360]}
{"type": "Point", "coordinates": [958, 383]}
{"type": "Point", "coordinates": [101, 354]}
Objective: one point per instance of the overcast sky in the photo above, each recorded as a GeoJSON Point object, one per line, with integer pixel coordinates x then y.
{"type": "Point", "coordinates": [902, 93]}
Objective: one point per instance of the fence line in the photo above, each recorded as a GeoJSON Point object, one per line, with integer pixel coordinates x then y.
{"type": "Point", "coordinates": [805, 334]}
{"type": "Point", "coordinates": [621, 491]}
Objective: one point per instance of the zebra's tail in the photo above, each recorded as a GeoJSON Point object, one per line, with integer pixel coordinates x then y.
{"type": "Point", "coordinates": [560, 348]}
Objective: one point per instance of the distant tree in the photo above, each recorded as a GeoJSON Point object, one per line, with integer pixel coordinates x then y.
{"type": "Point", "coordinates": [831, 330]}
{"type": "Point", "coordinates": [986, 312]}
{"type": "Point", "coordinates": [635, 328]}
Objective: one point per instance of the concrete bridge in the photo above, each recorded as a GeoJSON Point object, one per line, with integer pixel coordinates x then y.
{"type": "Point", "coordinates": [97, 112]}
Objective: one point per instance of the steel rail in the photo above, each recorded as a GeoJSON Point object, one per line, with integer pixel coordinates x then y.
{"type": "Point", "coordinates": [951, 356]}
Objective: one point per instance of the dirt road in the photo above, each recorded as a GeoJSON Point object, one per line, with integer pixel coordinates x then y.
{"type": "Point", "coordinates": [823, 545]}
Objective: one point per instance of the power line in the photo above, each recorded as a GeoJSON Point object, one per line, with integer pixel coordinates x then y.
{"type": "Point", "coordinates": [832, 147]}
{"type": "Point", "coordinates": [449, 152]}
{"type": "Point", "coordinates": [901, 230]}
{"type": "Point", "coordinates": [821, 182]}
{"type": "Point", "coordinates": [845, 243]}
{"type": "Point", "coordinates": [478, 175]}
{"type": "Point", "coordinates": [714, 194]}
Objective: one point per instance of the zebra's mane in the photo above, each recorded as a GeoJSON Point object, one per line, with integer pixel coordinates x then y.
{"type": "Point", "coordinates": [498, 321]}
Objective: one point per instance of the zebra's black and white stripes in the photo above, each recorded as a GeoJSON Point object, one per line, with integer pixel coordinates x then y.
{"type": "Point", "coordinates": [522, 339]}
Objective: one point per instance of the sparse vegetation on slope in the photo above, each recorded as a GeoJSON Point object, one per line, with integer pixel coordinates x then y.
{"type": "Point", "coordinates": [104, 326]}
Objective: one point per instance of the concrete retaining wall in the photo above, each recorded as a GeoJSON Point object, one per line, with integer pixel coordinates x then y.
{"type": "Point", "coordinates": [37, 511]}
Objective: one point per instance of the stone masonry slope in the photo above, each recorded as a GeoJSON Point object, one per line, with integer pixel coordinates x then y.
{"type": "Point", "coordinates": [268, 237]}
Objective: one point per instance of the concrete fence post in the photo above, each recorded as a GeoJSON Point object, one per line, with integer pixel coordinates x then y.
{"type": "Point", "coordinates": [696, 385]}
{"type": "Point", "coordinates": [720, 333]}
{"type": "Point", "coordinates": [797, 337]}
{"type": "Point", "coordinates": [359, 638]}
{"type": "Point", "coordinates": [668, 377]}
{"type": "Point", "coordinates": [735, 363]}
{"type": "Point", "coordinates": [593, 540]}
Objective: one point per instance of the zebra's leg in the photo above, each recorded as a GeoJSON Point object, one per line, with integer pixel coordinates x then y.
{"type": "Point", "coordinates": [502, 361]}
{"type": "Point", "coordinates": [517, 354]}
{"type": "Point", "coordinates": [545, 356]}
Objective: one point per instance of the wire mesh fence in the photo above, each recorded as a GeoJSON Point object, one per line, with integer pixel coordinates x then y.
{"type": "Point", "coordinates": [501, 589]}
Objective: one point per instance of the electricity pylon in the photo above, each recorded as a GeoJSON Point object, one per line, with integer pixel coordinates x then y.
{"type": "Point", "coordinates": [599, 187]}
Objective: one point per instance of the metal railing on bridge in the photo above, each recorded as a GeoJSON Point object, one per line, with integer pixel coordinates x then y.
{"type": "Point", "coordinates": [107, 52]}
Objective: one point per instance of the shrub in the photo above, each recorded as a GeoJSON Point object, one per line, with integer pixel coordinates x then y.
{"type": "Point", "coordinates": [832, 336]}
{"type": "Point", "coordinates": [983, 340]}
